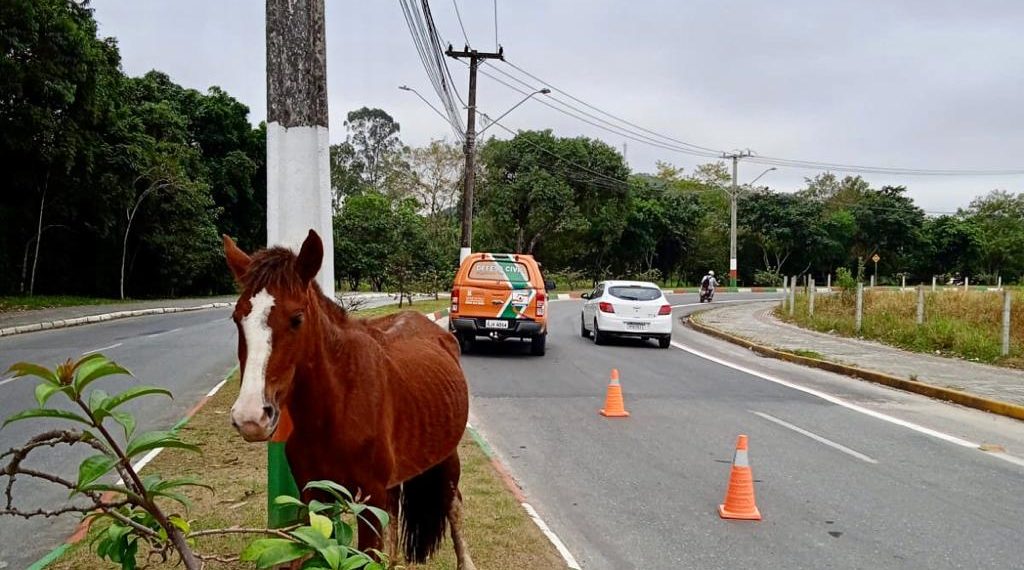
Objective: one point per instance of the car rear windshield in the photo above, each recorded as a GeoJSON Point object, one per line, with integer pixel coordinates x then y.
{"type": "Point", "coordinates": [634, 293]}
{"type": "Point", "coordinates": [504, 271]}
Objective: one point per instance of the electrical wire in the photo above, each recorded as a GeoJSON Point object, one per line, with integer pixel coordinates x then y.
{"type": "Point", "coordinates": [428, 47]}
{"type": "Point", "coordinates": [455, 4]}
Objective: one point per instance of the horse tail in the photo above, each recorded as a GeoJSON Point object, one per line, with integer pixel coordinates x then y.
{"type": "Point", "coordinates": [424, 502]}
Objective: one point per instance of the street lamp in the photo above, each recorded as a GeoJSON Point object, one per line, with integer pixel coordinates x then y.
{"type": "Point", "coordinates": [733, 262]}
{"type": "Point", "coordinates": [440, 114]}
{"type": "Point", "coordinates": [543, 91]}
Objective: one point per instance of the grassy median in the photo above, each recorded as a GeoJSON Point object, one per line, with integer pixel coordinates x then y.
{"type": "Point", "coordinates": [499, 533]}
{"type": "Point", "coordinates": [965, 324]}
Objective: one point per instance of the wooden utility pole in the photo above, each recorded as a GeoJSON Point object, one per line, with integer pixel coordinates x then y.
{"type": "Point", "coordinates": [470, 146]}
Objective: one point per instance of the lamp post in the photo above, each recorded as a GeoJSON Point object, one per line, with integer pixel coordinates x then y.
{"type": "Point", "coordinates": [733, 263]}
{"type": "Point", "coordinates": [433, 108]}
{"type": "Point", "coordinates": [470, 143]}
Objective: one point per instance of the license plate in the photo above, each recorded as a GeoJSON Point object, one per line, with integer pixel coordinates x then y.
{"type": "Point", "coordinates": [636, 326]}
{"type": "Point", "coordinates": [496, 324]}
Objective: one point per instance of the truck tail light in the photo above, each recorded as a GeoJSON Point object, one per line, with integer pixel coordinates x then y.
{"type": "Point", "coordinates": [542, 302]}
{"type": "Point", "coordinates": [455, 300]}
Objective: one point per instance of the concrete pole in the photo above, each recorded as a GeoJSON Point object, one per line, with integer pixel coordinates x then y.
{"type": "Point", "coordinates": [298, 151]}
{"type": "Point", "coordinates": [298, 176]}
{"type": "Point", "coordinates": [999, 283]}
{"type": "Point", "coordinates": [810, 299]}
{"type": "Point", "coordinates": [904, 282]}
{"type": "Point", "coordinates": [792, 295]}
{"type": "Point", "coordinates": [733, 265]}
{"type": "Point", "coordinates": [872, 280]}
{"type": "Point", "coordinates": [934, 281]}
{"type": "Point", "coordinates": [859, 317]}
{"type": "Point", "coordinates": [1006, 323]}
{"type": "Point", "coordinates": [920, 304]}
{"type": "Point", "coordinates": [967, 284]}
{"type": "Point", "coordinates": [785, 291]}
{"type": "Point", "coordinates": [829, 282]}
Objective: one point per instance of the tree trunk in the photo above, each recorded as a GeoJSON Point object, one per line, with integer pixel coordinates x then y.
{"type": "Point", "coordinates": [39, 236]}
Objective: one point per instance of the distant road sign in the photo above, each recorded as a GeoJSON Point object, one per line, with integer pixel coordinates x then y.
{"type": "Point", "coordinates": [875, 258]}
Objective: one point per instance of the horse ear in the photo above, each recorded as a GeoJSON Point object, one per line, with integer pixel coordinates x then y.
{"type": "Point", "coordinates": [310, 257]}
{"type": "Point", "coordinates": [238, 260]}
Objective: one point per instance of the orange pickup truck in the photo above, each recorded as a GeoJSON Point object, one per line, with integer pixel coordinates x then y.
{"type": "Point", "coordinates": [500, 296]}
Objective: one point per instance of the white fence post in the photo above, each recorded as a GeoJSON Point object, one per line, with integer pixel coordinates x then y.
{"type": "Point", "coordinates": [828, 284]}
{"type": "Point", "coordinates": [934, 280]}
{"type": "Point", "coordinates": [872, 280]}
{"type": "Point", "coordinates": [904, 285]}
{"type": "Point", "coordinates": [792, 295]}
{"type": "Point", "coordinates": [810, 299]}
{"type": "Point", "coordinates": [859, 318]}
{"type": "Point", "coordinates": [1006, 322]}
{"type": "Point", "coordinates": [967, 284]}
{"type": "Point", "coordinates": [920, 304]}
{"type": "Point", "coordinates": [999, 283]}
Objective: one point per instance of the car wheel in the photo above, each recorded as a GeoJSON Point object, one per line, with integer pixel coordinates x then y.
{"type": "Point", "coordinates": [665, 341]}
{"type": "Point", "coordinates": [599, 337]}
{"type": "Point", "coordinates": [466, 341]}
{"type": "Point", "coordinates": [538, 344]}
{"type": "Point", "coordinates": [583, 328]}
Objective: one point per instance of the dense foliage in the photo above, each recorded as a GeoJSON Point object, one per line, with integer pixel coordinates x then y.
{"type": "Point", "coordinates": [104, 170]}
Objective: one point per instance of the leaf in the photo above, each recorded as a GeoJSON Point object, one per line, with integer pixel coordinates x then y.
{"type": "Point", "coordinates": [44, 391]}
{"type": "Point", "coordinates": [46, 413]}
{"type": "Point", "coordinates": [343, 533]}
{"type": "Point", "coordinates": [269, 552]}
{"type": "Point", "coordinates": [156, 439]}
{"type": "Point", "coordinates": [360, 560]}
{"type": "Point", "coordinates": [381, 515]}
{"type": "Point", "coordinates": [180, 523]}
{"type": "Point", "coordinates": [316, 506]}
{"type": "Point", "coordinates": [321, 524]}
{"type": "Point", "coordinates": [333, 555]}
{"type": "Point", "coordinates": [176, 497]}
{"type": "Point", "coordinates": [288, 500]}
{"type": "Point", "coordinates": [310, 536]}
{"type": "Point", "coordinates": [178, 482]}
{"type": "Point", "coordinates": [88, 372]}
{"type": "Point", "coordinates": [94, 467]}
{"type": "Point", "coordinates": [132, 393]}
{"type": "Point", "coordinates": [127, 421]}
{"type": "Point", "coordinates": [28, 369]}
{"type": "Point", "coordinates": [339, 492]}
{"type": "Point", "coordinates": [96, 399]}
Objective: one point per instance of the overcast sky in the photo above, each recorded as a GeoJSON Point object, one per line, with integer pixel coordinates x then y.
{"type": "Point", "coordinates": [934, 84]}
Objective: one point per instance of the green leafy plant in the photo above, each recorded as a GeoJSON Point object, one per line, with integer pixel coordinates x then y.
{"type": "Point", "coordinates": [327, 541]}
{"type": "Point", "coordinates": [133, 512]}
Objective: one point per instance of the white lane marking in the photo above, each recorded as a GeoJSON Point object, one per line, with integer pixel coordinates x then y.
{"type": "Point", "coordinates": [850, 406]}
{"type": "Point", "coordinates": [816, 437]}
{"type": "Point", "coordinates": [154, 335]}
{"type": "Point", "coordinates": [249, 405]}
{"type": "Point", "coordinates": [115, 345]}
{"type": "Point", "coordinates": [713, 303]}
{"type": "Point", "coordinates": [213, 391]}
{"type": "Point", "coordinates": [559, 545]}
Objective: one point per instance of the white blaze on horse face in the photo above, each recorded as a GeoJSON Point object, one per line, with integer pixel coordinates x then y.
{"type": "Point", "coordinates": [248, 408]}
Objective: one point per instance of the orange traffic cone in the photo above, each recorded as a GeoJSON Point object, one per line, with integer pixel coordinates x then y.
{"type": "Point", "coordinates": [613, 404]}
{"type": "Point", "coordinates": [739, 498]}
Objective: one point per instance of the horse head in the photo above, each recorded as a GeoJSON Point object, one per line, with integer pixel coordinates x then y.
{"type": "Point", "coordinates": [273, 316]}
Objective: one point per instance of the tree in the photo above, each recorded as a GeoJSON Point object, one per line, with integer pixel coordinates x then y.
{"type": "Point", "coordinates": [999, 219]}
{"type": "Point", "coordinates": [362, 239]}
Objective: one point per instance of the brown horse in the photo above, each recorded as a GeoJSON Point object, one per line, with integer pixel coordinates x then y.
{"type": "Point", "coordinates": [376, 405]}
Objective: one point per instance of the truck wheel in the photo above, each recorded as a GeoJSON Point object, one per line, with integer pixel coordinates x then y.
{"type": "Point", "coordinates": [538, 344]}
{"type": "Point", "coordinates": [466, 342]}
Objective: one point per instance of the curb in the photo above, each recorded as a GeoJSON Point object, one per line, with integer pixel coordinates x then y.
{"type": "Point", "coordinates": [88, 320]}
{"type": "Point", "coordinates": [1007, 409]}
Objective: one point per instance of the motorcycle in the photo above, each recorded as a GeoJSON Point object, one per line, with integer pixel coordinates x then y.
{"type": "Point", "coordinates": [707, 294]}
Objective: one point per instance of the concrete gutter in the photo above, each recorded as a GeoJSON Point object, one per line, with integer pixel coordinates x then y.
{"type": "Point", "coordinates": [956, 396]}
{"type": "Point", "coordinates": [77, 321]}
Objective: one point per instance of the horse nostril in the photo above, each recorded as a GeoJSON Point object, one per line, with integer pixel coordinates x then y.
{"type": "Point", "coordinates": [269, 411]}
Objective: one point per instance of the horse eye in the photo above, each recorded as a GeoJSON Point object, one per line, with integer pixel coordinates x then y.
{"type": "Point", "coordinates": [296, 320]}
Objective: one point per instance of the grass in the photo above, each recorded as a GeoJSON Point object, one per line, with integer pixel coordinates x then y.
{"type": "Point", "coordinates": [805, 353]}
{"type": "Point", "coordinates": [957, 323]}
{"type": "Point", "coordinates": [427, 306]}
{"type": "Point", "coordinates": [28, 303]}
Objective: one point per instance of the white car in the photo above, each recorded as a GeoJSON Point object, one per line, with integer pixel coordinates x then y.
{"type": "Point", "coordinates": [635, 309]}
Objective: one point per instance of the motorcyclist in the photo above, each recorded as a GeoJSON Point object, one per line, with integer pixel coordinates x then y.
{"type": "Point", "coordinates": [708, 283]}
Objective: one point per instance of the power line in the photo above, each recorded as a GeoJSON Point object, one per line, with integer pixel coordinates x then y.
{"type": "Point", "coordinates": [428, 47]}
{"type": "Point", "coordinates": [768, 160]}
{"type": "Point", "coordinates": [455, 3]}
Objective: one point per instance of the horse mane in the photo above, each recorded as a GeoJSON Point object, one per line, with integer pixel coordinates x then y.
{"type": "Point", "coordinates": [276, 267]}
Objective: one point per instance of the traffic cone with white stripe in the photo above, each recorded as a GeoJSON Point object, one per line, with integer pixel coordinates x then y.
{"type": "Point", "coordinates": [739, 498]}
{"type": "Point", "coordinates": [614, 406]}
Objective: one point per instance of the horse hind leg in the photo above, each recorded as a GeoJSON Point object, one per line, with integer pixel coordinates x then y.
{"type": "Point", "coordinates": [462, 557]}
{"type": "Point", "coordinates": [453, 510]}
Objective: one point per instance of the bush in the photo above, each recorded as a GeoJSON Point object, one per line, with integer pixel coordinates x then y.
{"type": "Point", "coordinates": [769, 278]}
{"type": "Point", "coordinates": [845, 279]}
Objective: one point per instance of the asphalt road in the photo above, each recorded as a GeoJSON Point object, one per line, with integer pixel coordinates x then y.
{"type": "Point", "coordinates": [848, 474]}
{"type": "Point", "coordinates": [187, 353]}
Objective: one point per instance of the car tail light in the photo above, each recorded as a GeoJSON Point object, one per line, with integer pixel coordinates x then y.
{"type": "Point", "coordinates": [606, 307]}
{"type": "Point", "coordinates": [542, 302]}
{"type": "Point", "coordinates": [455, 300]}
{"type": "Point", "coordinates": [665, 310]}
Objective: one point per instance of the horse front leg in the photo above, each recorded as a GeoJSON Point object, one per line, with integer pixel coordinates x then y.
{"type": "Point", "coordinates": [371, 535]}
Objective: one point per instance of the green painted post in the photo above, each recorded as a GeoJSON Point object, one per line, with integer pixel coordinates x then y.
{"type": "Point", "coordinates": [279, 477]}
